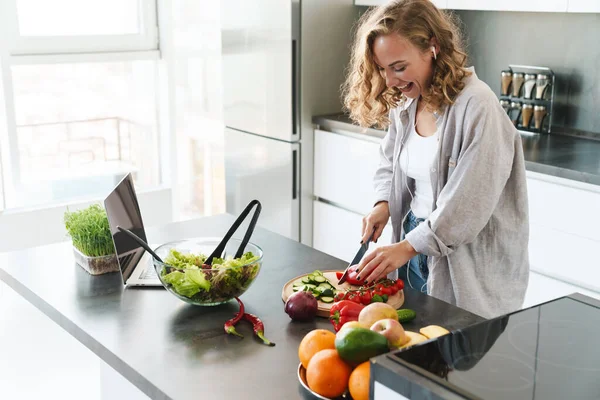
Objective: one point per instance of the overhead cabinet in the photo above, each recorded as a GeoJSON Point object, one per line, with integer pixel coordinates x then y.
{"type": "Point", "coordinates": [573, 6]}
{"type": "Point", "coordinates": [438, 3]}
{"type": "Point", "coordinates": [510, 5]}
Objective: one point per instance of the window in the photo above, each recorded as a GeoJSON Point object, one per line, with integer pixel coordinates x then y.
{"type": "Point", "coordinates": [80, 128]}
{"type": "Point", "coordinates": [80, 26]}
{"type": "Point", "coordinates": [79, 80]}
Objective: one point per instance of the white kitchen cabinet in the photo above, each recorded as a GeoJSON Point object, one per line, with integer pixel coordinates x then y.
{"type": "Point", "coordinates": [574, 6]}
{"type": "Point", "coordinates": [564, 205]}
{"type": "Point", "coordinates": [438, 3]}
{"type": "Point", "coordinates": [510, 5]}
{"type": "Point", "coordinates": [337, 232]}
{"type": "Point", "coordinates": [583, 6]}
{"type": "Point", "coordinates": [344, 168]}
{"type": "Point", "coordinates": [564, 239]}
{"type": "Point", "coordinates": [542, 288]}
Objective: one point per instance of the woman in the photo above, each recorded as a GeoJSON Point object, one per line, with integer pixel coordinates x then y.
{"type": "Point", "coordinates": [451, 172]}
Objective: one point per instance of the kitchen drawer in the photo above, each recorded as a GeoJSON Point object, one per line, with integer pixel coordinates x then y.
{"type": "Point", "coordinates": [344, 168]}
{"type": "Point", "coordinates": [542, 288]}
{"type": "Point", "coordinates": [564, 205]}
{"type": "Point", "coordinates": [565, 256]}
{"type": "Point", "coordinates": [337, 232]}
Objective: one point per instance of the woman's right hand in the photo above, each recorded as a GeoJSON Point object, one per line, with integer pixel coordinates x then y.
{"type": "Point", "coordinates": [376, 220]}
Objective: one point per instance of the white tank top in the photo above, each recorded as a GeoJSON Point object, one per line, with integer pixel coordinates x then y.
{"type": "Point", "coordinates": [416, 161]}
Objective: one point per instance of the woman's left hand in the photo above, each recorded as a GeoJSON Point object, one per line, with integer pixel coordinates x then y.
{"type": "Point", "coordinates": [383, 260]}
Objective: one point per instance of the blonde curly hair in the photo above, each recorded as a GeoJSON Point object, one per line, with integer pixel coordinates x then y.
{"type": "Point", "coordinates": [366, 96]}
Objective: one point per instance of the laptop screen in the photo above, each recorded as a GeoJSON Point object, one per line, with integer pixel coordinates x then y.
{"type": "Point", "coordinates": [123, 210]}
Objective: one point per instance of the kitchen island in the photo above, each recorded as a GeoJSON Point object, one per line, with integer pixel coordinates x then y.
{"type": "Point", "coordinates": [170, 350]}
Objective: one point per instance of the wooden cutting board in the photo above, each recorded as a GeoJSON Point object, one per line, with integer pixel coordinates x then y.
{"type": "Point", "coordinates": [395, 301]}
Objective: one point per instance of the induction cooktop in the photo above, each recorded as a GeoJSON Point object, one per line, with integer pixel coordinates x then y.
{"type": "Point", "coordinates": [549, 351]}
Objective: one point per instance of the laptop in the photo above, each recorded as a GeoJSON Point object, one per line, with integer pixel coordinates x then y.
{"type": "Point", "coordinates": [123, 210]}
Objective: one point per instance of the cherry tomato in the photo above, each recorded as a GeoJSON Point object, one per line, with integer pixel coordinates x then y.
{"type": "Point", "coordinates": [400, 284]}
{"type": "Point", "coordinates": [355, 298]}
{"type": "Point", "coordinates": [366, 297]}
{"type": "Point", "coordinates": [378, 292]}
{"type": "Point", "coordinates": [379, 286]}
{"type": "Point", "coordinates": [386, 290]}
{"type": "Point", "coordinates": [339, 297]}
{"type": "Point", "coordinates": [394, 289]}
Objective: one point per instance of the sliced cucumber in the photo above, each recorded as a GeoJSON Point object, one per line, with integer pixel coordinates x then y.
{"type": "Point", "coordinates": [298, 282]}
{"type": "Point", "coordinates": [326, 299]}
{"type": "Point", "coordinates": [319, 279]}
{"type": "Point", "coordinates": [327, 293]}
{"type": "Point", "coordinates": [307, 287]}
{"type": "Point", "coordinates": [317, 272]}
{"type": "Point", "coordinates": [326, 285]}
{"type": "Point", "coordinates": [306, 279]}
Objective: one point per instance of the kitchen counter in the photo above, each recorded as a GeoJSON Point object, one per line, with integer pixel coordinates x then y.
{"type": "Point", "coordinates": [170, 350]}
{"type": "Point", "coordinates": [563, 156]}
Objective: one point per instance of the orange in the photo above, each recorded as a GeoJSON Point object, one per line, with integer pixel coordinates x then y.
{"type": "Point", "coordinates": [359, 382]}
{"type": "Point", "coordinates": [314, 341]}
{"type": "Point", "coordinates": [327, 374]}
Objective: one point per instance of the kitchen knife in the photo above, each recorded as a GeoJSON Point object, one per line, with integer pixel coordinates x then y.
{"type": "Point", "coordinates": [361, 253]}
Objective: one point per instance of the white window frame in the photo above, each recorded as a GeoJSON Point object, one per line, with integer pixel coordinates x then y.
{"type": "Point", "coordinates": [146, 40]}
{"type": "Point", "coordinates": [74, 49]}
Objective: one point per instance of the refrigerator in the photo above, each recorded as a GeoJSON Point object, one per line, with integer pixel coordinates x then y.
{"type": "Point", "coordinates": [271, 90]}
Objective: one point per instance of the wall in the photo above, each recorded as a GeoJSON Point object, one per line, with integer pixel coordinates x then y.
{"type": "Point", "coordinates": [567, 43]}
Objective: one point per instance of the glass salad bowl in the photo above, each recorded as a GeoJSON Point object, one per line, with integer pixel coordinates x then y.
{"type": "Point", "coordinates": [184, 274]}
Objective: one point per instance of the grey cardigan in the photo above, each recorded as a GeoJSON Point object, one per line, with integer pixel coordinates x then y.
{"type": "Point", "coordinates": [477, 235]}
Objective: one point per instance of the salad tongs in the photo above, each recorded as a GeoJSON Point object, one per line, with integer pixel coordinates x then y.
{"type": "Point", "coordinates": [240, 251]}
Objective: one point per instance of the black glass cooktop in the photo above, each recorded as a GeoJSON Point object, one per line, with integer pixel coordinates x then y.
{"type": "Point", "coordinates": [547, 352]}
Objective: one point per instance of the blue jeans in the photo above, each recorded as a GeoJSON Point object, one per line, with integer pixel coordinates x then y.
{"type": "Point", "coordinates": [416, 268]}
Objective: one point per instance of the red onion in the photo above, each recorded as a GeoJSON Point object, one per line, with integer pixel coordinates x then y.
{"type": "Point", "coordinates": [301, 306]}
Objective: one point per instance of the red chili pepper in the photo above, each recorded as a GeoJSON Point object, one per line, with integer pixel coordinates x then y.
{"type": "Point", "coordinates": [344, 311]}
{"type": "Point", "coordinates": [259, 328]}
{"type": "Point", "coordinates": [230, 325]}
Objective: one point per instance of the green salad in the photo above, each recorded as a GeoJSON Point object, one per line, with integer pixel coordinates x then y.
{"type": "Point", "coordinates": [226, 278]}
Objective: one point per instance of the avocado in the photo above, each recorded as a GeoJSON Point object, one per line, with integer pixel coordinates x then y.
{"type": "Point", "coordinates": [357, 345]}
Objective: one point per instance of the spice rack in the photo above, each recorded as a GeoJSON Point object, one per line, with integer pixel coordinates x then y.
{"type": "Point", "coordinates": [527, 96]}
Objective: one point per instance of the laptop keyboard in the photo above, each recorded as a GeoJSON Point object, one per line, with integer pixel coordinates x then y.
{"type": "Point", "coordinates": [149, 273]}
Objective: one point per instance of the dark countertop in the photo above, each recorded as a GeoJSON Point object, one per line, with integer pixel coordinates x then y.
{"type": "Point", "coordinates": [171, 350]}
{"type": "Point", "coordinates": [569, 157]}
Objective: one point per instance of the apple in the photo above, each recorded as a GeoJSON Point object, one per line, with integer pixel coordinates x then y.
{"type": "Point", "coordinates": [392, 330]}
{"type": "Point", "coordinates": [354, 324]}
{"type": "Point", "coordinates": [376, 311]}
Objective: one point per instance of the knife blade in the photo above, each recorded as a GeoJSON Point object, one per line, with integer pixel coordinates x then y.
{"type": "Point", "coordinates": [359, 255]}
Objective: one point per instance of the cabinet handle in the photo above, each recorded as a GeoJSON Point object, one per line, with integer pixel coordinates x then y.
{"type": "Point", "coordinates": [294, 174]}
{"type": "Point", "coordinates": [294, 87]}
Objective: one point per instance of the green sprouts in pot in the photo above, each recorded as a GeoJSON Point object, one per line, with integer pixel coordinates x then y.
{"type": "Point", "coordinates": [89, 230]}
